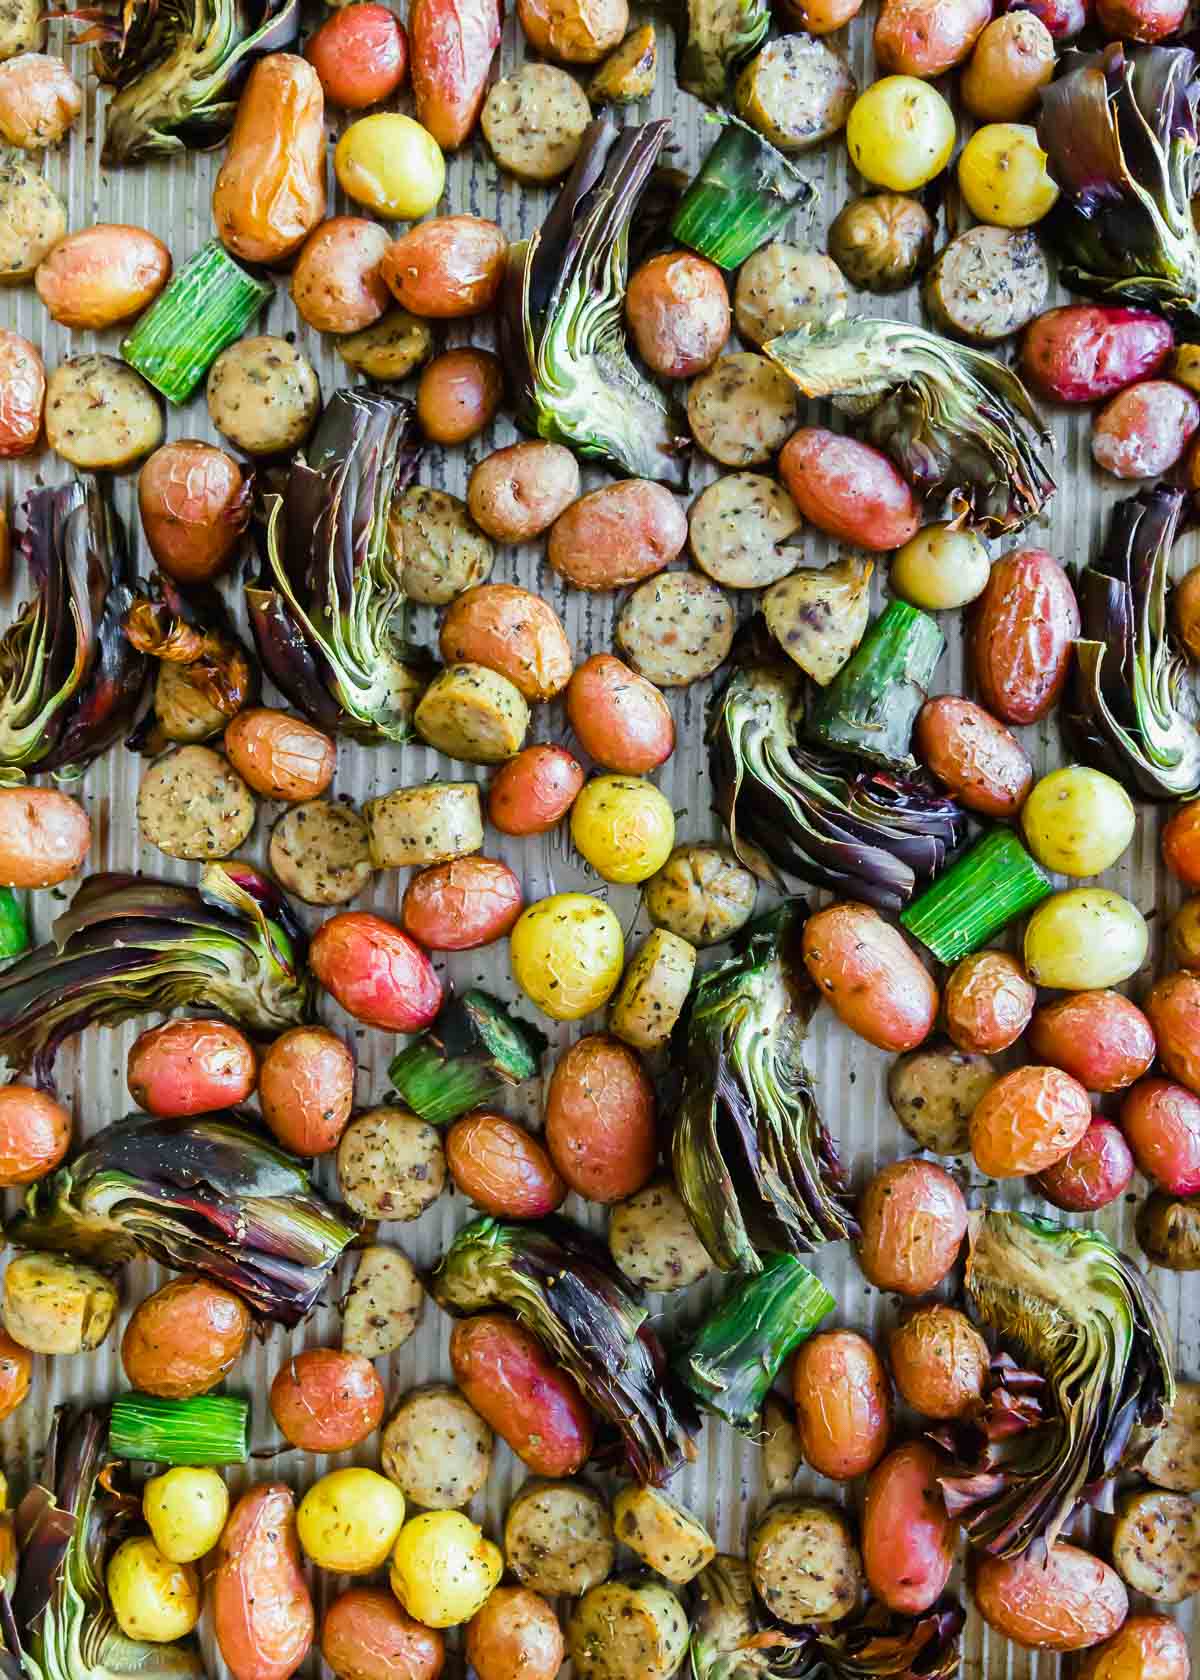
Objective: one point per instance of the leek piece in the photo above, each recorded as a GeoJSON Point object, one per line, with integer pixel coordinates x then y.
{"type": "Point", "coordinates": [209, 304]}
{"type": "Point", "coordinates": [474, 1049]}
{"type": "Point", "coordinates": [734, 1357]}
{"type": "Point", "coordinates": [992, 883]}
{"type": "Point", "coordinates": [14, 924]}
{"type": "Point", "coordinates": [743, 194]}
{"type": "Point", "coordinates": [872, 703]}
{"type": "Point", "coordinates": [207, 1429]}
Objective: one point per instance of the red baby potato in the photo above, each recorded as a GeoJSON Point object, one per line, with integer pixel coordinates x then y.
{"type": "Point", "coordinates": [1099, 1038]}
{"type": "Point", "coordinates": [908, 1540]}
{"type": "Point", "coordinates": [1063, 1601]}
{"type": "Point", "coordinates": [100, 275]}
{"type": "Point", "coordinates": [324, 1400]}
{"type": "Point", "coordinates": [44, 836]}
{"type": "Point", "coordinates": [848, 489]}
{"type": "Point", "coordinates": [514, 1385]}
{"type": "Point", "coordinates": [367, 1636]}
{"type": "Point", "coordinates": [1022, 631]}
{"type": "Point", "coordinates": [677, 307]}
{"type": "Point", "coordinates": [190, 1067]}
{"type": "Point", "coordinates": [1161, 1122]}
{"type": "Point", "coordinates": [1063, 18]}
{"type": "Point", "coordinates": [926, 37]}
{"type": "Point", "coordinates": [913, 1220]}
{"type": "Point", "coordinates": [1093, 1174]}
{"type": "Point", "coordinates": [184, 1338]}
{"type": "Point", "coordinates": [843, 1404]}
{"type": "Point", "coordinates": [988, 1002]}
{"type": "Point", "coordinates": [195, 504]}
{"type": "Point", "coordinates": [1173, 1010]}
{"type": "Point", "coordinates": [1148, 1647]}
{"type": "Point", "coordinates": [1140, 20]}
{"type": "Point", "coordinates": [533, 792]}
{"type": "Point", "coordinates": [1144, 429]}
{"type": "Point", "coordinates": [16, 1367]}
{"type": "Point", "coordinates": [360, 54]}
{"type": "Point", "coordinates": [462, 904]}
{"type": "Point", "coordinates": [306, 1089]}
{"type": "Point", "coordinates": [35, 1133]}
{"type": "Point", "coordinates": [620, 718]}
{"type": "Point", "coordinates": [939, 1360]}
{"type": "Point", "coordinates": [1181, 843]}
{"type": "Point", "coordinates": [1086, 351]}
{"type": "Point", "coordinates": [22, 394]}
{"type": "Point", "coordinates": [985, 767]}
{"type": "Point", "coordinates": [261, 1610]}
{"type": "Point", "coordinates": [600, 1120]}
{"type": "Point", "coordinates": [620, 534]}
{"type": "Point", "coordinates": [1029, 1119]}
{"type": "Point", "coordinates": [872, 978]}
{"type": "Point", "coordinates": [447, 267]}
{"type": "Point", "coordinates": [280, 756]}
{"type": "Point", "coordinates": [336, 283]}
{"type": "Point", "coordinates": [503, 1168]}
{"type": "Point", "coordinates": [516, 1634]}
{"type": "Point", "coordinates": [458, 394]}
{"type": "Point", "coordinates": [376, 972]}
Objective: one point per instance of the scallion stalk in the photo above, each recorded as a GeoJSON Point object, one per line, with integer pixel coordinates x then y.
{"type": "Point", "coordinates": [207, 1429]}
{"type": "Point", "coordinates": [473, 1051]}
{"type": "Point", "coordinates": [209, 304]}
{"type": "Point", "coordinates": [991, 884]}
{"type": "Point", "coordinates": [870, 707]}
{"type": "Point", "coordinates": [14, 924]}
{"type": "Point", "coordinates": [743, 194]}
{"type": "Point", "coordinates": [733, 1358]}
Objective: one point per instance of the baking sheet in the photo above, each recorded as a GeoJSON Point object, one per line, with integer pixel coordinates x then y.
{"type": "Point", "coordinates": [724, 1485]}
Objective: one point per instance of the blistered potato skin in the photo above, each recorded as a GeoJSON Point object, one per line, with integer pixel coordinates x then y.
{"type": "Point", "coordinates": [511, 631]}
{"type": "Point", "coordinates": [530, 1402]}
{"type": "Point", "coordinates": [44, 837]}
{"type": "Point", "coordinates": [194, 504]}
{"type": "Point", "coordinates": [261, 1609]}
{"type": "Point", "coordinates": [1095, 1172]}
{"type": "Point", "coordinates": [939, 1361]}
{"type": "Point", "coordinates": [600, 1119]}
{"type": "Point", "coordinates": [184, 1338]}
{"type": "Point", "coordinates": [324, 1400]}
{"type": "Point", "coordinates": [1023, 627]}
{"type": "Point", "coordinates": [927, 37]}
{"type": "Point", "coordinates": [35, 1134]}
{"type": "Point", "coordinates": [375, 972]}
{"type": "Point", "coordinates": [1029, 1119]}
{"type": "Point", "coordinates": [1161, 1122]}
{"type": "Point", "coordinates": [191, 1067]}
{"type": "Point", "coordinates": [870, 976]}
{"type": "Point", "coordinates": [22, 395]}
{"type": "Point", "coordinates": [460, 905]}
{"type": "Point", "coordinates": [1085, 351]}
{"type": "Point", "coordinates": [447, 267]}
{"type": "Point", "coordinates": [619, 717]}
{"type": "Point", "coordinates": [270, 193]}
{"type": "Point", "coordinates": [306, 1089]}
{"type": "Point", "coordinates": [1151, 1647]}
{"type": "Point", "coordinates": [988, 1002]}
{"type": "Point", "coordinates": [908, 1540]}
{"type": "Point", "coordinates": [533, 792]}
{"type": "Point", "coordinates": [101, 275]}
{"type": "Point", "coordinates": [518, 492]}
{"type": "Point", "coordinates": [985, 767]}
{"type": "Point", "coordinates": [848, 489]}
{"type": "Point", "coordinates": [1099, 1038]}
{"type": "Point", "coordinates": [367, 1636]}
{"type": "Point", "coordinates": [620, 534]}
{"type": "Point", "coordinates": [451, 47]}
{"type": "Point", "coordinates": [1065, 1603]}
{"type": "Point", "coordinates": [913, 1220]}
{"type": "Point", "coordinates": [504, 1169]}
{"type": "Point", "coordinates": [843, 1404]}
{"type": "Point", "coordinates": [279, 756]}
{"type": "Point", "coordinates": [1173, 1010]}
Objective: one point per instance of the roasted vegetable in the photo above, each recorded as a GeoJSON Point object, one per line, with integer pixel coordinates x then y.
{"type": "Point", "coordinates": [177, 67]}
{"type": "Point", "coordinates": [69, 681]}
{"type": "Point", "coordinates": [869, 708]}
{"type": "Point", "coordinates": [1090, 1393]}
{"type": "Point", "coordinates": [562, 1284]}
{"type": "Point", "coordinates": [720, 38]}
{"type": "Point", "coordinates": [561, 321]}
{"type": "Point", "coordinates": [205, 308]}
{"type": "Point", "coordinates": [192, 631]}
{"type": "Point", "coordinates": [58, 1624]}
{"type": "Point", "coordinates": [203, 1195]}
{"type": "Point", "coordinates": [755, 1167]}
{"type": "Point", "coordinates": [202, 1429]}
{"type": "Point", "coordinates": [743, 193]}
{"type": "Point", "coordinates": [791, 810]}
{"type": "Point", "coordinates": [325, 604]}
{"type": "Point", "coordinates": [473, 1051]}
{"type": "Point", "coordinates": [733, 1639]}
{"type": "Point", "coordinates": [1129, 710]}
{"type": "Point", "coordinates": [736, 1353]}
{"type": "Point", "coordinates": [958, 423]}
{"type": "Point", "coordinates": [1119, 132]}
{"type": "Point", "coordinates": [990, 885]}
{"type": "Point", "coordinates": [130, 944]}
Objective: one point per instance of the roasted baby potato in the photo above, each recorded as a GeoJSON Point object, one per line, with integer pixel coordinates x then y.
{"type": "Point", "coordinates": [185, 1338]}
{"type": "Point", "coordinates": [518, 492]}
{"type": "Point", "coordinates": [933, 1092]}
{"type": "Point", "coordinates": [447, 267]}
{"type": "Point", "coordinates": [39, 101]}
{"type": "Point", "coordinates": [908, 1538]}
{"type": "Point", "coordinates": [1063, 1602]}
{"type": "Point", "coordinates": [1022, 629]}
{"type": "Point", "coordinates": [451, 44]}
{"type": "Point", "coordinates": [510, 631]}
{"type": "Point", "coordinates": [375, 972]}
{"type": "Point", "coordinates": [939, 1361]}
{"type": "Point", "coordinates": [101, 275]}
{"type": "Point", "coordinates": [872, 979]}
{"type": "Point", "coordinates": [843, 1405]}
{"type": "Point", "coordinates": [279, 756]}
{"type": "Point", "coordinates": [533, 792]}
{"type": "Point", "coordinates": [913, 1219]}
{"type": "Point", "coordinates": [848, 489]}
{"type": "Point", "coordinates": [459, 393]}
{"type": "Point", "coordinates": [600, 1119]}
{"type": "Point", "coordinates": [195, 504]}
{"type": "Point", "coordinates": [326, 1401]}
{"type": "Point", "coordinates": [988, 1002]}
{"type": "Point", "coordinates": [1173, 1460]}
{"type": "Point", "coordinates": [619, 717]}
{"type": "Point", "coordinates": [44, 837]}
{"type": "Point", "coordinates": [531, 1403]}
{"type": "Point", "coordinates": [306, 1089]}
{"type": "Point", "coordinates": [35, 1134]}
{"type": "Point", "coordinates": [573, 31]}
{"type": "Point", "coordinates": [367, 1636]}
{"type": "Point", "coordinates": [1029, 1119]}
{"type": "Point", "coordinates": [261, 1610]}
{"type": "Point", "coordinates": [516, 1632]}
{"type": "Point", "coordinates": [501, 1167]}
{"type": "Point", "coordinates": [617, 535]}
{"type": "Point", "coordinates": [677, 308]}
{"type": "Point", "coordinates": [270, 192]}
{"type": "Point", "coordinates": [337, 285]}
{"type": "Point", "coordinates": [461, 905]}
{"type": "Point", "coordinates": [191, 1067]}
